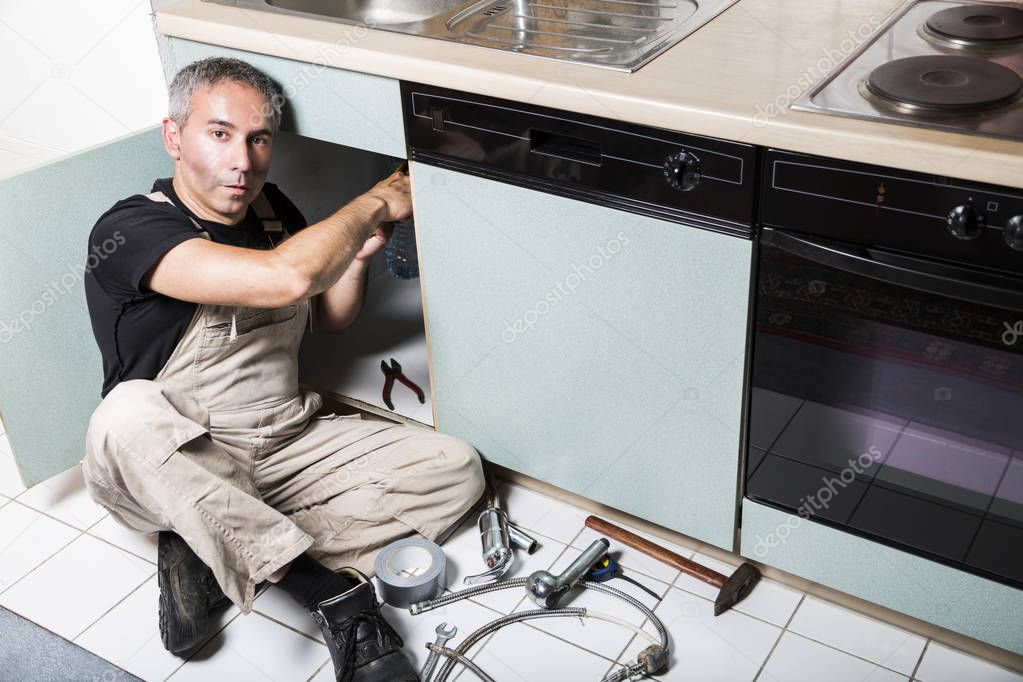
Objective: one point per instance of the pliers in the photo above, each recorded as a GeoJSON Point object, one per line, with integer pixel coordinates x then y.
{"type": "Point", "coordinates": [393, 372]}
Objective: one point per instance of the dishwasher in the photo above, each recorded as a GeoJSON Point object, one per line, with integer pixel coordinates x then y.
{"type": "Point", "coordinates": [586, 288]}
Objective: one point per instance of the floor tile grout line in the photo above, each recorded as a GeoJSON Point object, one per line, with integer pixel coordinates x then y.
{"type": "Point", "coordinates": [288, 626]}
{"type": "Point", "coordinates": [781, 633]}
{"type": "Point", "coordinates": [107, 612]}
{"type": "Point", "coordinates": [101, 520]}
{"type": "Point", "coordinates": [48, 557]}
{"type": "Point", "coordinates": [18, 499]}
{"type": "Point", "coordinates": [15, 500]}
{"type": "Point", "coordinates": [567, 641]}
{"type": "Point", "coordinates": [736, 608]}
{"type": "Point", "coordinates": [920, 661]}
{"type": "Point", "coordinates": [114, 606]}
{"type": "Point", "coordinates": [316, 672]}
{"type": "Point", "coordinates": [847, 653]}
{"type": "Point", "coordinates": [117, 546]}
{"type": "Point", "coordinates": [792, 616]}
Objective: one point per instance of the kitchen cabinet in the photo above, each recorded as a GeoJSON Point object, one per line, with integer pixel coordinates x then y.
{"type": "Point", "coordinates": [597, 350]}
{"type": "Point", "coordinates": [939, 594]}
{"type": "Point", "coordinates": [50, 365]}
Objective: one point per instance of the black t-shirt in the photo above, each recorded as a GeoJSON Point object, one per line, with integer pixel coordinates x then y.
{"type": "Point", "coordinates": [137, 328]}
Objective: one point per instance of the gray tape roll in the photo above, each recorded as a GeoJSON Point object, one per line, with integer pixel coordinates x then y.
{"type": "Point", "coordinates": [410, 570]}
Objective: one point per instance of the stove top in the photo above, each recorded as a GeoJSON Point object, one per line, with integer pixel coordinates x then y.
{"type": "Point", "coordinates": [954, 66]}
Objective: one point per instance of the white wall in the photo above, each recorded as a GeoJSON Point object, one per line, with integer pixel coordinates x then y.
{"type": "Point", "coordinates": [74, 74]}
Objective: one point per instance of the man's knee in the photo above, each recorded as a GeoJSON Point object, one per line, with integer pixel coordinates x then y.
{"type": "Point", "coordinates": [145, 419]}
{"type": "Point", "coordinates": [128, 402]}
{"type": "Point", "coordinates": [466, 468]}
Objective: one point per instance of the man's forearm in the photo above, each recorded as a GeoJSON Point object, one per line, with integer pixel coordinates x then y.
{"type": "Point", "coordinates": [340, 304]}
{"type": "Point", "coordinates": [324, 251]}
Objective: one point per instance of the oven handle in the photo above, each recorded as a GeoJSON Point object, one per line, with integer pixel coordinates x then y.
{"type": "Point", "coordinates": [943, 285]}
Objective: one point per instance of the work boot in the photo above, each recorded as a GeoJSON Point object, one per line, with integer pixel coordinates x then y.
{"type": "Point", "coordinates": [188, 592]}
{"type": "Point", "coordinates": [363, 646]}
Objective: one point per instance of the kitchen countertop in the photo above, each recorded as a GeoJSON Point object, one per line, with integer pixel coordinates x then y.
{"type": "Point", "coordinates": [731, 79]}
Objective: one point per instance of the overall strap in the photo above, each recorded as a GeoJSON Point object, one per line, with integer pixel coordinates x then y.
{"type": "Point", "coordinates": [161, 197]}
{"type": "Point", "coordinates": [265, 212]}
{"type": "Point", "coordinates": [260, 205]}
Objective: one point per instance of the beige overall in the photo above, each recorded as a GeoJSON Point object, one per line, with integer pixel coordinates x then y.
{"type": "Point", "coordinates": [224, 448]}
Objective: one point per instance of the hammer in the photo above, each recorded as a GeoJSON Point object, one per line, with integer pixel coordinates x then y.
{"type": "Point", "coordinates": [734, 588]}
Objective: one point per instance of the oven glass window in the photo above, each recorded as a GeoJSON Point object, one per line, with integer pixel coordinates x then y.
{"type": "Point", "coordinates": [890, 412]}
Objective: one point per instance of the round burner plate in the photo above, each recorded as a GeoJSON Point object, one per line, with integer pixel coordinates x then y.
{"type": "Point", "coordinates": [945, 83]}
{"type": "Point", "coordinates": [978, 23]}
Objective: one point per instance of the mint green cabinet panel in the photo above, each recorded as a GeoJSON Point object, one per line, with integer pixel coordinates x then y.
{"type": "Point", "coordinates": [954, 599]}
{"type": "Point", "coordinates": [50, 368]}
{"type": "Point", "coordinates": [597, 350]}
{"type": "Point", "coordinates": [344, 107]}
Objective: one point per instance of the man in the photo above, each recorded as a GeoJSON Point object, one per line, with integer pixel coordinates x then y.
{"type": "Point", "coordinates": [203, 429]}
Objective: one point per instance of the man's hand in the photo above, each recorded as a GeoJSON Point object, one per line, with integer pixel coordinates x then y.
{"type": "Point", "coordinates": [376, 241]}
{"type": "Point", "coordinates": [396, 193]}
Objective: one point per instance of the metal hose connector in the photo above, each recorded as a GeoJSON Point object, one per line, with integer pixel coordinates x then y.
{"type": "Point", "coordinates": [626, 673]}
{"type": "Point", "coordinates": [499, 623]}
{"type": "Point", "coordinates": [444, 600]}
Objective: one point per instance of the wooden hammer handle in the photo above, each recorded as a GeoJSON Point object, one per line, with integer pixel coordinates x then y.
{"type": "Point", "coordinates": [663, 554]}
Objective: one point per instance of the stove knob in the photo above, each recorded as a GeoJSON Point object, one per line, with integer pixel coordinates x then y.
{"type": "Point", "coordinates": [965, 223]}
{"type": "Point", "coordinates": [1014, 232]}
{"type": "Point", "coordinates": [682, 170]}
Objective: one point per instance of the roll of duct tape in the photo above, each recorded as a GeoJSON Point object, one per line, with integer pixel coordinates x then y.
{"type": "Point", "coordinates": [410, 570]}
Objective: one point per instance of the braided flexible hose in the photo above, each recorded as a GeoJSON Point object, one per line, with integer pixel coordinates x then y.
{"type": "Point", "coordinates": [497, 624]}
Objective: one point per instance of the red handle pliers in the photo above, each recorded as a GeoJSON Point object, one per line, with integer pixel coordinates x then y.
{"type": "Point", "coordinates": [393, 372]}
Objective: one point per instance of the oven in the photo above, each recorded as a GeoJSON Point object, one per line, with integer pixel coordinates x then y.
{"type": "Point", "coordinates": [887, 362]}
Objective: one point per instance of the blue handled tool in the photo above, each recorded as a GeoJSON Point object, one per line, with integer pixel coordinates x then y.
{"type": "Point", "coordinates": [607, 568]}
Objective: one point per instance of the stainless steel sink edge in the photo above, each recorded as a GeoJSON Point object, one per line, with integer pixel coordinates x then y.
{"type": "Point", "coordinates": [604, 39]}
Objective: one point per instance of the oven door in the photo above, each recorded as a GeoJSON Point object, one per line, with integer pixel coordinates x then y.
{"type": "Point", "coordinates": [887, 399]}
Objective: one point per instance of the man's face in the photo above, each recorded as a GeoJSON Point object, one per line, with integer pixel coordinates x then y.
{"type": "Point", "coordinates": [222, 154]}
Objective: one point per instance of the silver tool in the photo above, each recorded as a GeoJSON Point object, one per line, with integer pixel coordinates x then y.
{"type": "Point", "coordinates": [497, 553]}
{"type": "Point", "coordinates": [546, 589]}
{"type": "Point", "coordinates": [444, 633]}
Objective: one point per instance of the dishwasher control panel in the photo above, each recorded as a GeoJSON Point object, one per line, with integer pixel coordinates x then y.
{"type": "Point", "coordinates": [666, 174]}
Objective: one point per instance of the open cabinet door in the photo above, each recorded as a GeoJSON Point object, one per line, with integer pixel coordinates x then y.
{"type": "Point", "coordinates": [50, 368]}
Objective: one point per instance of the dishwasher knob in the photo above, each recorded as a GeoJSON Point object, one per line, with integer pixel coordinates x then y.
{"type": "Point", "coordinates": [682, 170]}
{"type": "Point", "coordinates": [965, 223]}
{"type": "Point", "coordinates": [1014, 232]}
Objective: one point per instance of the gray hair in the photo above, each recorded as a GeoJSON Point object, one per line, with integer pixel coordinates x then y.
{"type": "Point", "coordinates": [212, 70]}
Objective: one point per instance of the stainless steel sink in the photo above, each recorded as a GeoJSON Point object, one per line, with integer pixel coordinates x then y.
{"type": "Point", "coordinates": [614, 34]}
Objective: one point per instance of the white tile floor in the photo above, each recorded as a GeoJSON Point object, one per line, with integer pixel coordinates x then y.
{"type": "Point", "coordinates": [69, 567]}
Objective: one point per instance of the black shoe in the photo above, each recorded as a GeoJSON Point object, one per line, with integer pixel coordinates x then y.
{"type": "Point", "coordinates": [188, 591]}
{"type": "Point", "coordinates": [363, 646]}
